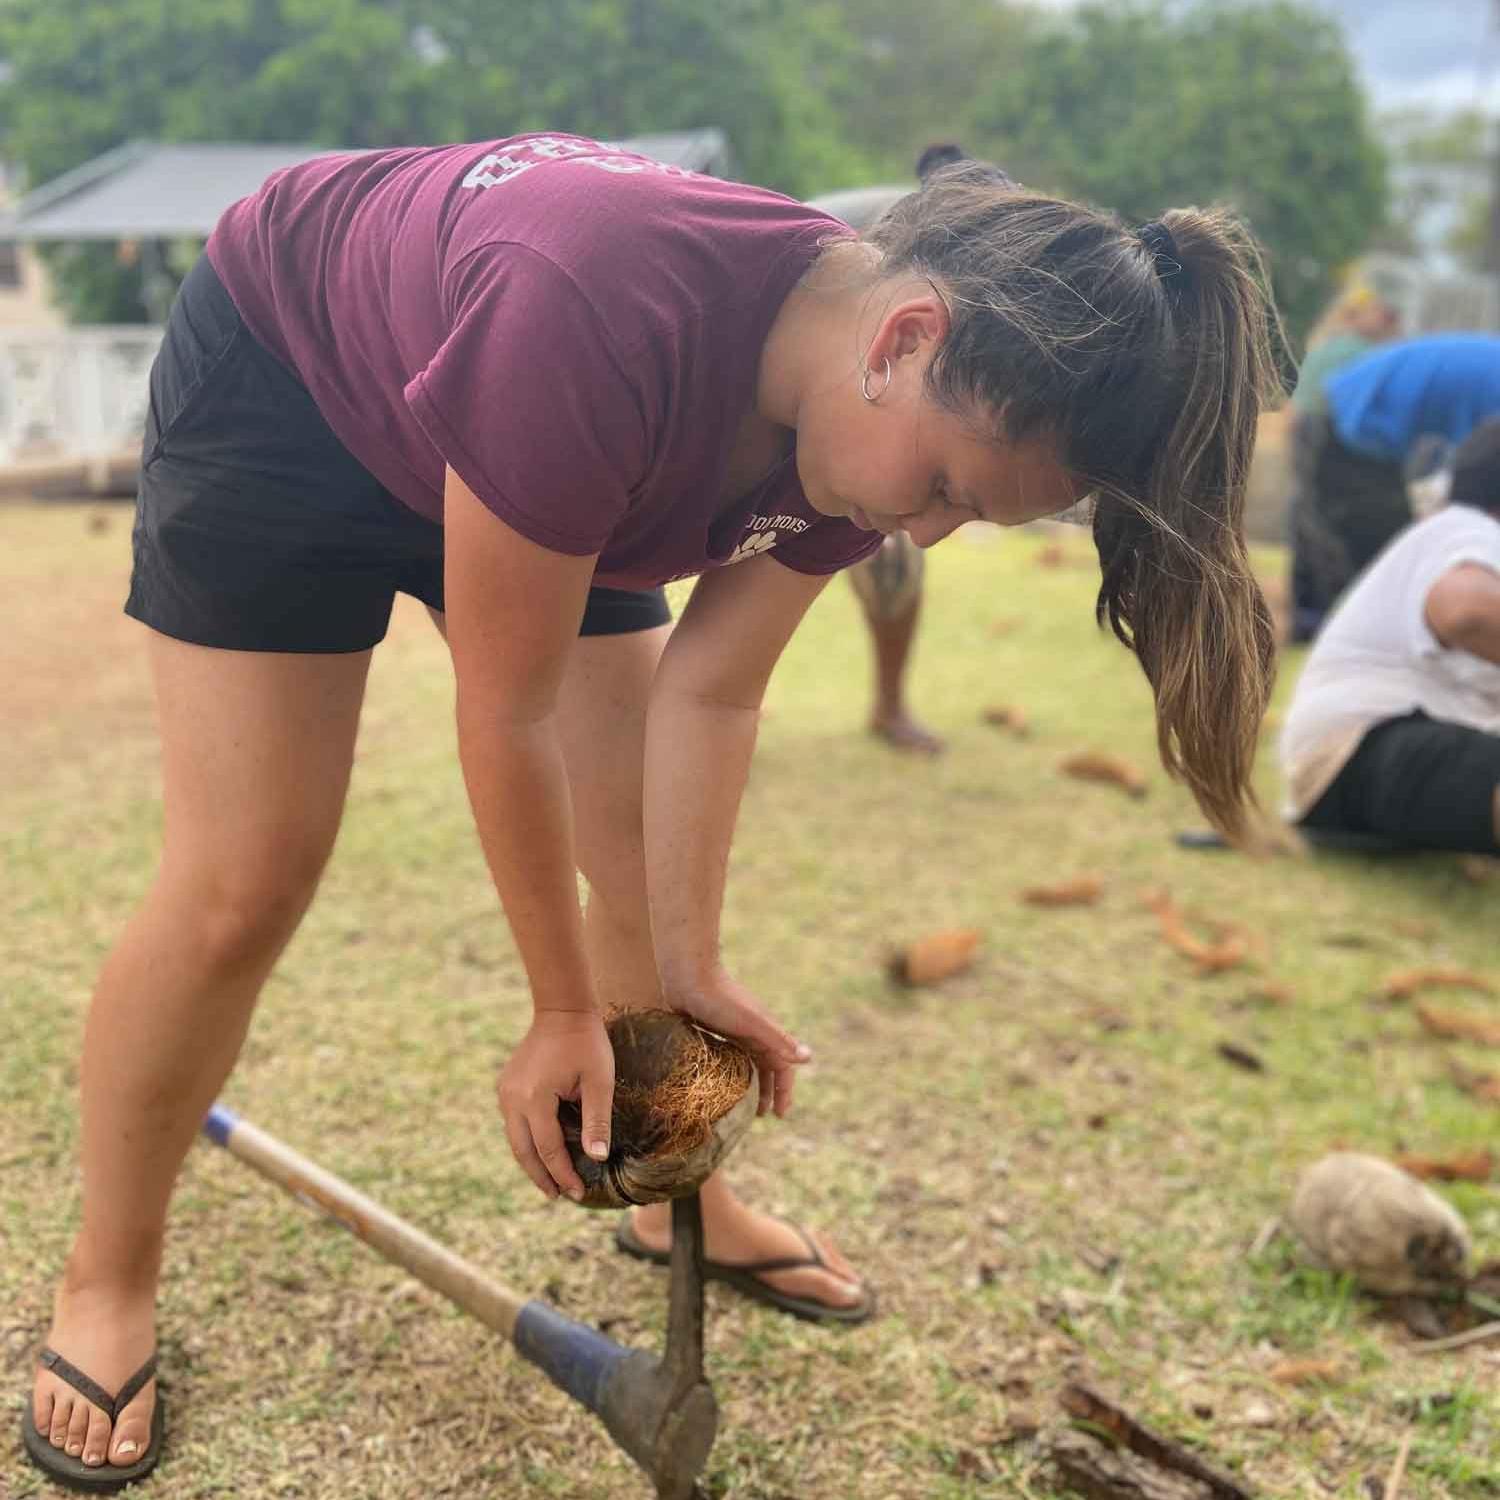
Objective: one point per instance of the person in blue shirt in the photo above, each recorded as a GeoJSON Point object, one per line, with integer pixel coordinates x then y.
{"type": "Point", "coordinates": [1379, 408]}
{"type": "Point", "coordinates": [1358, 322]}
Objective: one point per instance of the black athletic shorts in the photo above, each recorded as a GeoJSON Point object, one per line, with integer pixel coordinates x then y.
{"type": "Point", "coordinates": [1425, 783]}
{"type": "Point", "coordinates": [256, 529]}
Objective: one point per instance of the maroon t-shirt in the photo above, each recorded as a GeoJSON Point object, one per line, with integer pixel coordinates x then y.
{"type": "Point", "coordinates": [575, 330]}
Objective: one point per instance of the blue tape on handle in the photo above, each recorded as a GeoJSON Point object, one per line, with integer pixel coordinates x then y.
{"type": "Point", "coordinates": [578, 1358]}
{"type": "Point", "coordinates": [219, 1124]}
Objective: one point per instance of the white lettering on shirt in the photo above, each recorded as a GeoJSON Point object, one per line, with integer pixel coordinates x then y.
{"type": "Point", "coordinates": [498, 167]}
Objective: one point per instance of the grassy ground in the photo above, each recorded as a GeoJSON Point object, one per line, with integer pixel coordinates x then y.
{"type": "Point", "coordinates": [1046, 1166]}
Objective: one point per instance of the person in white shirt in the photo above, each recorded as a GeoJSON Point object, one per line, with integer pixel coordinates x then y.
{"type": "Point", "coordinates": [1394, 728]}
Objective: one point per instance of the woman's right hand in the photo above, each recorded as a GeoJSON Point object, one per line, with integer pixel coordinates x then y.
{"type": "Point", "coordinates": [565, 1055]}
{"type": "Point", "coordinates": [723, 1005]}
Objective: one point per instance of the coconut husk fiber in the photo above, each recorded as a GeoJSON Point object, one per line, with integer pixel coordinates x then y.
{"type": "Point", "coordinates": [683, 1098]}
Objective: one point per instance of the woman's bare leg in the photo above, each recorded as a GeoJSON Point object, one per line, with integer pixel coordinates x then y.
{"type": "Point", "coordinates": [602, 718]}
{"type": "Point", "coordinates": [256, 750]}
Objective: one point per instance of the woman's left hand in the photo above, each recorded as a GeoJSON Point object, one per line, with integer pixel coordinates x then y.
{"type": "Point", "coordinates": [723, 1005]}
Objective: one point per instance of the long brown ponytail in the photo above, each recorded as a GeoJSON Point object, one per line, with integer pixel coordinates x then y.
{"type": "Point", "coordinates": [1145, 357]}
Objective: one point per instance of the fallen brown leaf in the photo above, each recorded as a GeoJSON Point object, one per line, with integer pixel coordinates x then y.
{"type": "Point", "coordinates": [1230, 945]}
{"type": "Point", "coordinates": [1053, 555]}
{"type": "Point", "coordinates": [1228, 952]}
{"type": "Point", "coordinates": [1082, 890]}
{"type": "Point", "coordinates": [1455, 1025]}
{"type": "Point", "coordinates": [1007, 626]}
{"type": "Point", "coordinates": [937, 956]}
{"type": "Point", "coordinates": [1478, 869]}
{"type": "Point", "coordinates": [1408, 982]}
{"type": "Point", "coordinates": [1305, 1371]}
{"type": "Point", "coordinates": [1095, 765]}
{"type": "Point", "coordinates": [1008, 716]}
{"type": "Point", "coordinates": [1477, 1165]}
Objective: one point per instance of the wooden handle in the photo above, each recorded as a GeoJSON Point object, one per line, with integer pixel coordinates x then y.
{"type": "Point", "coordinates": [495, 1306]}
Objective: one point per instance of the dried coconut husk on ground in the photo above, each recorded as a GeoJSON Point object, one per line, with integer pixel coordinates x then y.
{"type": "Point", "coordinates": [1361, 1215]}
{"type": "Point", "coordinates": [683, 1098]}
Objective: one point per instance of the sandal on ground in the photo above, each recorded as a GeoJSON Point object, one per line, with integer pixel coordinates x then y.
{"type": "Point", "coordinates": [99, 1479]}
{"type": "Point", "coordinates": [746, 1278]}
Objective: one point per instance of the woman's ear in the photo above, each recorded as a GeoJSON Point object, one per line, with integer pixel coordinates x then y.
{"type": "Point", "coordinates": [914, 325]}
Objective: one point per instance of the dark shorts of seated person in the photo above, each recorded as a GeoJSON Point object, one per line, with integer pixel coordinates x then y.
{"type": "Point", "coordinates": [1422, 783]}
{"type": "Point", "coordinates": [256, 529]}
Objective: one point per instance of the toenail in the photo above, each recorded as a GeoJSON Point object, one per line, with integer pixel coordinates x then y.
{"type": "Point", "coordinates": [126, 1449]}
{"type": "Point", "coordinates": [74, 1449]}
{"type": "Point", "coordinates": [93, 1458]}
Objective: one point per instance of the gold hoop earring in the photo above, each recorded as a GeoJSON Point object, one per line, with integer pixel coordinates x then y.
{"type": "Point", "coordinates": [864, 385]}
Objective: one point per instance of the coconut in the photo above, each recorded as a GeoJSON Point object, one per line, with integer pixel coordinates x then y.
{"type": "Point", "coordinates": [683, 1098]}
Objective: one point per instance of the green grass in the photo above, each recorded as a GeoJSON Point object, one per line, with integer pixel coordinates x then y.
{"type": "Point", "coordinates": [1045, 1166]}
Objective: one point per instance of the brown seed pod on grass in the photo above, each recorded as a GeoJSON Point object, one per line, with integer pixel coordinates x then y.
{"type": "Point", "coordinates": [1082, 890]}
{"type": "Point", "coordinates": [1095, 765]}
{"type": "Point", "coordinates": [1459, 1026]}
{"type": "Point", "coordinates": [683, 1098]}
{"type": "Point", "coordinates": [1404, 985]}
{"type": "Point", "coordinates": [938, 956]}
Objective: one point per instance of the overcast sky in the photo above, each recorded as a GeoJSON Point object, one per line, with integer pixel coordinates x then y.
{"type": "Point", "coordinates": [1439, 52]}
{"type": "Point", "coordinates": [1442, 52]}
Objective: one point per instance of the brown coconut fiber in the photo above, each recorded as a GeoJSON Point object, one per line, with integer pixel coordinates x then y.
{"type": "Point", "coordinates": [683, 1098]}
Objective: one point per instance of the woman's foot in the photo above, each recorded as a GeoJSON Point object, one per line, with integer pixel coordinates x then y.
{"type": "Point", "coordinates": [108, 1333]}
{"type": "Point", "coordinates": [902, 732]}
{"type": "Point", "coordinates": [736, 1234]}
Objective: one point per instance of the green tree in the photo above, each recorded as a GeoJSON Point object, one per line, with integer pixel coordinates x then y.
{"type": "Point", "coordinates": [920, 70]}
{"type": "Point", "coordinates": [375, 72]}
{"type": "Point", "coordinates": [1146, 106]}
{"type": "Point", "coordinates": [764, 71]}
{"type": "Point", "coordinates": [340, 72]}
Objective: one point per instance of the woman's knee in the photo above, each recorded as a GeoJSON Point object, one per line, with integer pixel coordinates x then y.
{"type": "Point", "coordinates": [237, 907]}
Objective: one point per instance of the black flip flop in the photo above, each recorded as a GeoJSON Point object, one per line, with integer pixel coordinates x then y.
{"type": "Point", "coordinates": [746, 1279]}
{"type": "Point", "coordinates": [105, 1478]}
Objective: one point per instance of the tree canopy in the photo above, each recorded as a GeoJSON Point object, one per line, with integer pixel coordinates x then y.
{"type": "Point", "coordinates": [1137, 106]}
{"type": "Point", "coordinates": [1146, 106]}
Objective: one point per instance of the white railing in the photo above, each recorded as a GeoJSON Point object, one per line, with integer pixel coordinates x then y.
{"type": "Point", "coordinates": [73, 394]}
{"type": "Point", "coordinates": [1434, 302]}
